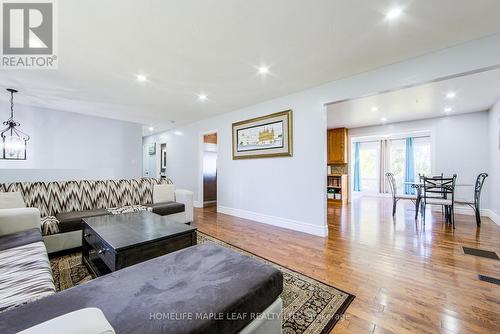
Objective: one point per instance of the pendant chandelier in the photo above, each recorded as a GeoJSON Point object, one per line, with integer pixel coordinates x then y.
{"type": "Point", "coordinates": [13, 139]}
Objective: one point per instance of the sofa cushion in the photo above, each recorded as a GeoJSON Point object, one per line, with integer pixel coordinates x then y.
{"type": "Point", "coordinates": [25, 275]}
{"type": "Point", "coordinates": [72, 221]}
{"type": "Point", "coordinates": [201, 280]}
{"type": "Point", "coordinates": [20, 238]}
{"type": "Point", "coordinates": [166, 208]}
{"type": "Point", "coordinates": [20, 219]}
{"type": "Point", "coordinates": [163, 193]}
{"type": "Point", "coordinates": [89, 320]}
{"type": "Point", "coordinates": [11, 200]}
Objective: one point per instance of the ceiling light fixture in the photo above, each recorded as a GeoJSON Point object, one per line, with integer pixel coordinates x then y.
{"type": "Point", "coordinates": [263, 70]}
{"type": "Point", "coordinates": [374, 109]}
{"type": "Point", "coordinates": [451, 95]}
{"type": "Point", "coordinates": [448, 109]}
{"type": "Point", "coordinates": [13, 139]}
{"type": "Point", "coordinates": [141, 78]}
{"type": "Point", "coordinates": [394, 13]}
{"type": "Point", "coordinates": [202, 97]}
{"type": "Point", "coordinates": [383, 119]}
{"type": "Point", "coordinates": [151, 129]}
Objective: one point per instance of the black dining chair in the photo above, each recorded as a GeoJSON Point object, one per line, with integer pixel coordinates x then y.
{"type": "Point", "coordinates": [475, 204]}
{"type": "Point", "coordinates": [395, 196]}
{"type": "Point", "coordinates": [436, 176]}
{"type": "Point", "coordinates": [440, 191]}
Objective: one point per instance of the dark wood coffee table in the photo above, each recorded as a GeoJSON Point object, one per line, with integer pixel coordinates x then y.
{"type": "Point", "coordinates": [113, 242]}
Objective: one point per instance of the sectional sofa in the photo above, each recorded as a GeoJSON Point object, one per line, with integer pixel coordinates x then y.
{"type": "Point", "coordinates": [62, 205]}
{"type": "Point", "coordinates": [200, 289]}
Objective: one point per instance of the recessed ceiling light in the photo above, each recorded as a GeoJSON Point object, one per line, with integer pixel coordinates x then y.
{"type": "Point", "coordinates": [178, 133]}
{"type": "Point", "coordinates": [151, 128]}
{"type": "Point", "coordinates": [263, 70]}
{"type": "Point", "coordinates": [202, 97]}
{"type": "Point", "coordinates": [383, 119]}
{"type": "Point", "coordinates": [448, 109]}
{"type": "Point", "coordinates": [374, 109]}
{"type": "Point", "coordinates": [451, 95]}
{"type": "Point", "coordinates": [141, 78]}
{"type": "Point", "coordinates": [394, 13]}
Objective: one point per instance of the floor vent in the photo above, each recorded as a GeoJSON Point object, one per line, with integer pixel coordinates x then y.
{"type": "Point", "coordinates": [489, 279]}
{"type": "Point", "coordinates": [481, 253]}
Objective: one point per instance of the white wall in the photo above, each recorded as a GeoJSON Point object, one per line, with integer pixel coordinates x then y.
{"type": "Point", "coordinates": [66, 145]}
{"type": "Point", "coordinates": [291, 192]}
{"type": "Point", "coordinates": [459, 144]}
{"type": "Point", "coordinates": [494, 153]}
{"type": "Point", "coordinates": [278, 190]}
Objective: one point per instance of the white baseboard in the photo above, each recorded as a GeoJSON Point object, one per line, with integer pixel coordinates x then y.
{"type": "Point", "coordinates": [197, 204]}
{"type": "Point", "coordinates": [321, 231]}
{"type": "Point", "coordinates": [493, 216]}
{"type": "Point", "coordinates": [466, 210]}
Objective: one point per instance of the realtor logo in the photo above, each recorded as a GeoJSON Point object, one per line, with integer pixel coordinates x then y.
{"type": "Point", "coordinates": [28, 35]}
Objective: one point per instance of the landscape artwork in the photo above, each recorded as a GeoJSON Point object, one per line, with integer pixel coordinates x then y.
{"type": "Point", "coordinates": [267, 136]}
{"type": "Point", "coordinates": [260, 137]}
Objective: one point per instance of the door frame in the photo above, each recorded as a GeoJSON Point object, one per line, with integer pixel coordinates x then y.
{"type": "Point", "coordinates": [199, 202]}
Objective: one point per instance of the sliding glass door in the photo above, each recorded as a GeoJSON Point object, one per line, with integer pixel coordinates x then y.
{"type": "Point", "coordinates": [369, 166]}
{"type": "Point", "coordinates": [399, 156]}
{"type": "Point", "coordinates": [422, 151]}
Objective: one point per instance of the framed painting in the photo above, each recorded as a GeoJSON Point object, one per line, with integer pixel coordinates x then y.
{"type": "Point", "coordinates": [152, 148]}
{"type": "Point", "coordinates": [263, 137]}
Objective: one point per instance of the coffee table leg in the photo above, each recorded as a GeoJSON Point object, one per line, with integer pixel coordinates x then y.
{"type": "Point", "coordinates": [194, 239]}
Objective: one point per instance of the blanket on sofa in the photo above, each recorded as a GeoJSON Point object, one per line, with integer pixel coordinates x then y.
{"type": "Point", "coordinates": [25, 273]}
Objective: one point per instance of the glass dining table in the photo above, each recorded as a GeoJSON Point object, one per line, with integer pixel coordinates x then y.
{"type": "Point", "coordinates": [419, 186]}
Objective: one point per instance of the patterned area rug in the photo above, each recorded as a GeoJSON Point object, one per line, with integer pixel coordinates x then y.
{"type": "Point", "coordinates": [68, 271]}
{"type": "Point", "coordinates": [309, 306]}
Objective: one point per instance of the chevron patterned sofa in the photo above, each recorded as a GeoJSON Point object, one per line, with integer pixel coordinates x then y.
{"type": "Point", "coordinates": [63, 204]}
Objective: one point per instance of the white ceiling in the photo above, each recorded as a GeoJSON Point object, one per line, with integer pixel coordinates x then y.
{"type": "Point", "coordinates": [187, 47]}
{"type": "Point", "coordinates": [474, 92]}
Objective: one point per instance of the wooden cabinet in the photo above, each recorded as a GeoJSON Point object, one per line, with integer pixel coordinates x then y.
{"type": "Point", "coordinates": [337, 146]}
{"type": "Point", "coordinates": [337, 190]}
{"type": "Point", "coordinates": [337, 187]}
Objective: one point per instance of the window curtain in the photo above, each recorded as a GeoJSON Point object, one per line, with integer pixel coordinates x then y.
{"type": "Point", "coordinates": [409, 167]}
{"type": "Point", "coordinates": [385, 165]}
{"type": "Point", "coordinates": [357, 182]}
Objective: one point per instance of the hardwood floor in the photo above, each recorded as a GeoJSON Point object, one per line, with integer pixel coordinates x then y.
{"type": "Point", "coordinates": [406, 278]}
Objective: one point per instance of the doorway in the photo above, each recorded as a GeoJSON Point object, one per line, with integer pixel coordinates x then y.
{"type": "Point", "coordinates": [163, 160]}
{"type": "Point", "coordinates": [210, 169]}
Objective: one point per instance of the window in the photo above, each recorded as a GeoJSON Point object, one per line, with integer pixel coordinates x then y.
{"type": "Point", "coordinates": [373, 166]}
{"type": "Point", "coordinates": [369, 160]}
{"type": "Point", "coordinates": [422, 152]}
{"type": "Point", "coordinates": [397, 157]}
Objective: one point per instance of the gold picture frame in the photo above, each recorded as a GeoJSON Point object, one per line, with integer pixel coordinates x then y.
{"type": "Point", "coordinates": [267, 136]}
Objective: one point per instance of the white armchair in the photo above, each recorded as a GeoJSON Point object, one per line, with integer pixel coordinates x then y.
{"type": "Point", "coordinates": [185, 197]}
{"type": "Point", "coordinates": [167, 193]}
